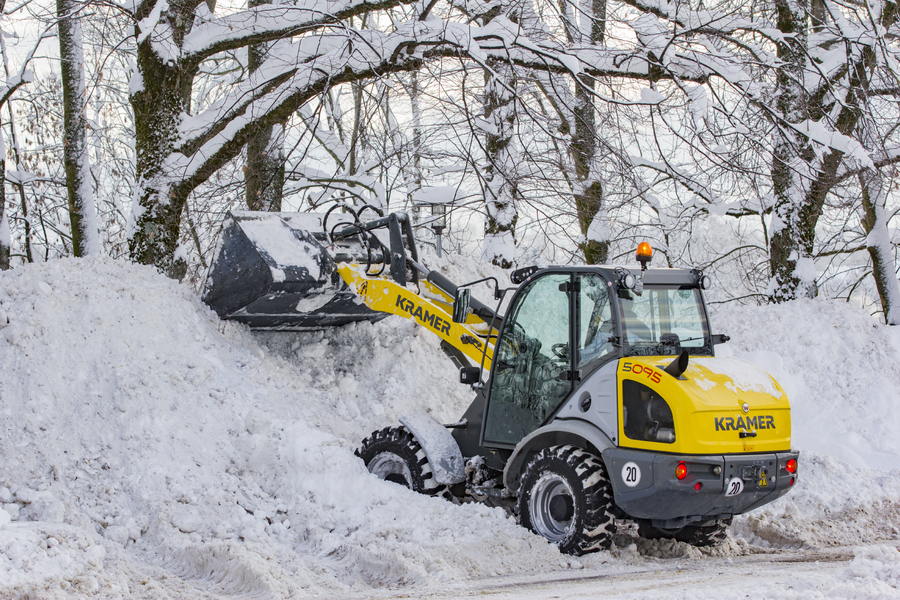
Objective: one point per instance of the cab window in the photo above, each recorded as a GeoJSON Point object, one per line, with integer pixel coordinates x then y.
{"type": "Point", "coordinates": [595, 322]}
{"type": "Point", "coordinates": [532, 354]}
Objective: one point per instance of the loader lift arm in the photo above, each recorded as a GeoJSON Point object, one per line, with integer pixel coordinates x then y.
{"type": "Point", "coordinates": [302, 271]}
{"type": "Point", "coordinates": [431, 307]}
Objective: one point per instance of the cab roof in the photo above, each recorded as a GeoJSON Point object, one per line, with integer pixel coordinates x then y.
{"type": "Point", "coordinates": [612, 272]}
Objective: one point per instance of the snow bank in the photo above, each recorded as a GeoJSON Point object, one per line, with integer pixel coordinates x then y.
{"type": "Point", "coordinates": [150, 450]}
{"type": "Point", "coordinates": [841, 371]}
{"type": "Point", "coordinates": [147, 444]}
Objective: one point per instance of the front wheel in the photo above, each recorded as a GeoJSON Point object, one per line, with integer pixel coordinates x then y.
{"type": "Point", "coordinates": [565, 496]}
{"type": "Point", "coordinates": [393, 454]}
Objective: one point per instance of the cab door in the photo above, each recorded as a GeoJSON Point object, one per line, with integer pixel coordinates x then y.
{"type": "Point", "coordinates": [595, 326]}
{"type": "Point", "coordinates": [532, 367]}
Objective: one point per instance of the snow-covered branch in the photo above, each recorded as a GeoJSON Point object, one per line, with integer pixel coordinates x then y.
{"type": "Point", "coordinates": [285, 83]}
{"type": "Point", "coordinates": [704, 21]}
{"type": "Point", "coordinates": [272, 22]}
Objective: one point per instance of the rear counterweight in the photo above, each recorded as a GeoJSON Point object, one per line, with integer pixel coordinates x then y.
{"type": "Point", "coordinates": [646, 484]}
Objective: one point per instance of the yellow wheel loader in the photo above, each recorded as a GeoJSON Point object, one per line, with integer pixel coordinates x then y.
{"type": "Point", "coordinates": [598, 393]}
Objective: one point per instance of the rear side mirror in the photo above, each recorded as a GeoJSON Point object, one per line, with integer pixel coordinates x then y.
{"type": "Point", "coordinates": [461, 306]}
{"type": "Point", "coordinates": [470, 375]}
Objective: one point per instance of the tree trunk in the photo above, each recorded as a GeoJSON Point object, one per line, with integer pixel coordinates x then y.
{"type": "Point", "coordinates": [29, 253]}
{"type": "Point", "coordinates": [818, 15]}
{"type": "Point", "coordinates": [801, 179]}
{"type": "Point", "coordinates": [500, 173]}
{"type": "Point", "coordinates": [793, 229]}
{"type": "Point", "coordinates": [878, 243]}
{"type": "Point", "coordinates": [414, 172]}
{"type": "Point", "coordinates": [4, 225]}
{"type": "Point", "coordinates": [158, 106]}
{"type": "Point", "coordinates": [592, 218]}
{"type": "Point", "coordinates": [589, 208]}
{"type": "Point", "coordinates": [82, 213]}
{"type": "Point", "coordinates": [501, 192]}
{"type": "Point", "coordinates": [5, 237]}
{"type": "Point", "coordinates": [264, 171]}
{"type": "Point", "coordinates": [593, 221]}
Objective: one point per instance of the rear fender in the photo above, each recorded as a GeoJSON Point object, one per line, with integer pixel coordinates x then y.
{"type": "Point", "coordinates": [570, 431]}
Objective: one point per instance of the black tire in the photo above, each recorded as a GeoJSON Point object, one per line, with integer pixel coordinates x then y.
{"type": "Point", "coordinates": [565, 496]}
{"type": "Point", "coordinates": [393, 454]}
{"type": "Point", "coordinates": [695, 535]}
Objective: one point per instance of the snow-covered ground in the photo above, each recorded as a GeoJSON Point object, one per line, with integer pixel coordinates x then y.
{"type": "Point", "coordinates": [151, 451]}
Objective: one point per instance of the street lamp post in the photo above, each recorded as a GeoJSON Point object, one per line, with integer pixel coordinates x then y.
{"type": "Point", "coordinates": [438, 223]}
{"type": "Point", "coordinates": [437, 198]}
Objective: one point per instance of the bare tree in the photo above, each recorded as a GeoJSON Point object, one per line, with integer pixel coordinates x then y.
{"type": "Point", "coordinates": [176, 153]}
{"type": "Point", "coordinates": [878, 243]}
{"type": "Point", "coordinates": [82, 213]}
{"type": "Point", "coordinates": [5, 237]}
{"type": "Point", "coordinates": [811, 108]}
{"type": "Point", "coordinates": [264, 171]}
{"type": "Point", "coordinates": [581, 125]}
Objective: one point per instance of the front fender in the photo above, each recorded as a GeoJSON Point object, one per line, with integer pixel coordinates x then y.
{"type": "Point", "coordinates": [561, 431]}
{"type": "Point", "coordinates": [440, 448]}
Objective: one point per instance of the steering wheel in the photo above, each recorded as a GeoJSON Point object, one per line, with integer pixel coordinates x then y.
{"type": "Point", "coordinates": [560, 351]}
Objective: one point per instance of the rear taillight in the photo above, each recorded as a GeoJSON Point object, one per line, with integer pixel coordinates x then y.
{"type": "Point", "coordinates": [681, 471]}
{"type": "Point", "coordinates": [791, 466]}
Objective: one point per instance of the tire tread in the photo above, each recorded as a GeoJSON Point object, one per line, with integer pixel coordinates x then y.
{"type": "Point", "coordinates": [597, 525]}
{"type": "Point", "coordinates": [401, 442]}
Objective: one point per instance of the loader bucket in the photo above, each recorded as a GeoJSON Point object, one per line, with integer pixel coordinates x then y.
{"type": "Point", "coordinates": [273, 273]}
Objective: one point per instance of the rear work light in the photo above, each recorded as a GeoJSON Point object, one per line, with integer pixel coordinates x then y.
{"type": "Point", "coordinates": [791, 466]}
{"type": "Point", "coordinates": [681, 471]}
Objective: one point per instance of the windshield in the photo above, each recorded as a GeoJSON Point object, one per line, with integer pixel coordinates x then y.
{"type": "Point", "coordinates": [663, 320]}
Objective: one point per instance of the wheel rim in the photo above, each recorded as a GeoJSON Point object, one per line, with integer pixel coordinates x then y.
{"type": "Point", "coordinates": [390, 467]}
{"type": "Point", "coordinates": [551, 507]}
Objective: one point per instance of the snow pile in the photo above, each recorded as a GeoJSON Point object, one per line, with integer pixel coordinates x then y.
{"type": "Point", "coordinates": [145, 441]}
{"type": "Point", "coordinates": [879, 562]}
{"type": "Point", "coordinates": [150, 450]}
{"type": "Point", "coordinates": [840, 370]}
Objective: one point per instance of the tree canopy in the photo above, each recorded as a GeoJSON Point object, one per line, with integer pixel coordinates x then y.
{"type": "Point", "coordinates": [569, 128]}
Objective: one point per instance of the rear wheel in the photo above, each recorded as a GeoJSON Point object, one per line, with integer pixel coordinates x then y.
{"type": "Point", "coordinates": [695, 535]}
{"type": "Point", "coordinates": [565, 496]}
{"type": "Point", "coordinates": [393, 454]}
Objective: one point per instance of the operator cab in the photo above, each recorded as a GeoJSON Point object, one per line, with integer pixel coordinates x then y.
{"type": "Point", "coordinates": [564, 323]}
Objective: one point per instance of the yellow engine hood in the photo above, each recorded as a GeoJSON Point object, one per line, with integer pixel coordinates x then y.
{"type": "Point", "coordinates": [713, 403]}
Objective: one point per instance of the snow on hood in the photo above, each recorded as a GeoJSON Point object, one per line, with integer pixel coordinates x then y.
{"type": "Point", "coordinates": [744, 375]}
